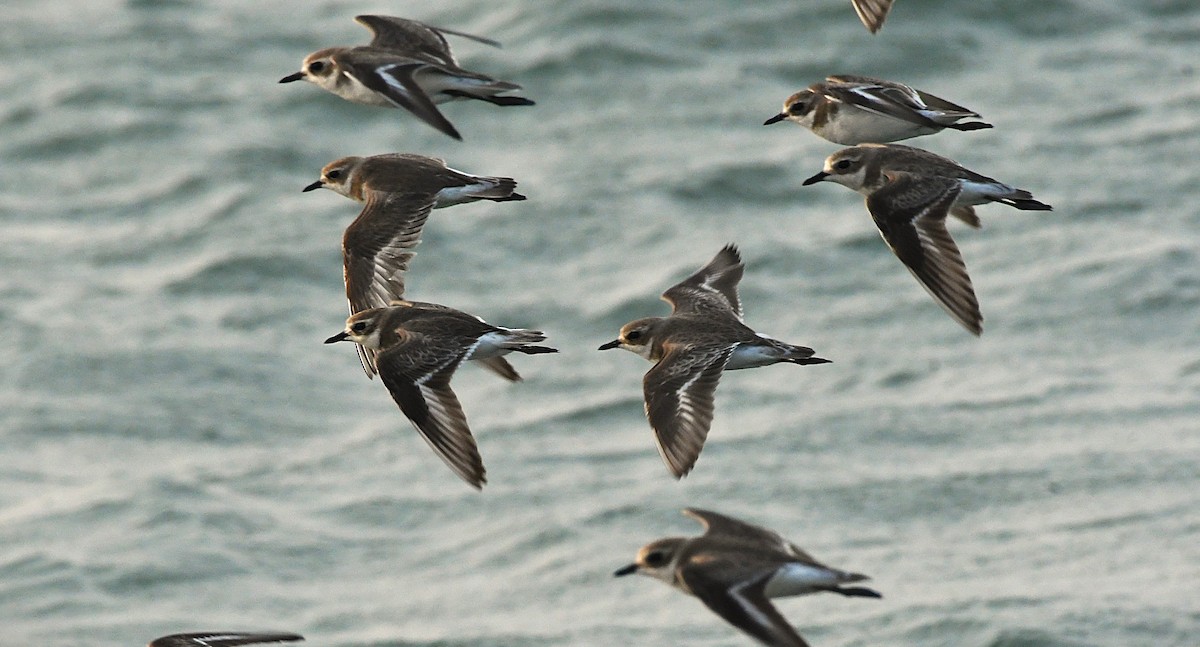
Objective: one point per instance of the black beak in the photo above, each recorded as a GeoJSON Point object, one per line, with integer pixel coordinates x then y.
{"type": "Point", "coordinates": [313, 187]}
{"type": "Point", "coordinates": [816, 178]}
{"type": "Point", "coordinates": [776, 119]}
{"type": "Point", "coordinates": [342, 336]}
{"type": "Point", "coordinates": [292, 77]}
{"type": "Point", "coordinates": [612, 344]}
{"type": "Point", "coordinates": [625, 570]}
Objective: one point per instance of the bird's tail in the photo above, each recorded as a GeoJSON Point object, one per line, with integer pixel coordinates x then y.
{"type": "Point", "coordinates": [506, 101]}
{"type": "Point", "coordinates": [970, 125]}
{"type": "Point", "coordinates": [497, 189]}
{"type": "Point", "coordinates": [1027, 204]}
{"type": "Point", "coordinates": [809, 360]}
{"type": "Point", "coordinates": [1020, 199]}
{"type": "Point", "coordinates": [857, 592]}
{"type": "Point", "coordinates": [491, 94]}
{"type": "Point", "coordinates": [535, 350]}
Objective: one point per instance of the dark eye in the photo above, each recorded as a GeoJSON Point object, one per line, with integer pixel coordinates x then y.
{"type": "Point", "coordinates": [633, 335]}
{"type": "Point", "coordinates": [655, 558]}
{"type": "Point", "coordinates": [334, 174]}
{"type": "Point", "coordinates": [358, 326]}
{"type": "Point", "coordinates": [843, 165]}
{"type": "Point", "coordinates": [316, 67]}
{"type": "Point", "coordinates": [797, 108]}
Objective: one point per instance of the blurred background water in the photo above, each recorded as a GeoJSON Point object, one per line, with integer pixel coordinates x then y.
{"type": "Point", "coordinates": [178, 450]}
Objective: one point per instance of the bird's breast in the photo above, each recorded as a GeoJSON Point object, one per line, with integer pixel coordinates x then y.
{"type": "Point", "coordinates": [351, 89]}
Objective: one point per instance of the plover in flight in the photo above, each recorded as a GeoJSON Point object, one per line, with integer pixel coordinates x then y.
{"type": "Point", "coordinates": [852, 110]}
{"type": "Point", "coordinates": [407, 65]}
{"type": "Point", "coordinates": [222, 639]}
{"type": "Point", "coordinates": [417, 347]}
{"type": "Point", "coordinates": [704, 336]}
{"type": "Point", "coordinates": [909, 193]}
{"type": "Point", "coordinates": [735, 568]}
{"type": "Point", "coordinates": [872, 13]}
{"type": "Point", "coordinates": [398, 192]}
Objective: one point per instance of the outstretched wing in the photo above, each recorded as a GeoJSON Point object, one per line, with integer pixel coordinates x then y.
{"type": "Point", "coordinates": [730, 529]}
{"type": "Point", "coordinates": [910, 211]}
{"type": "Point", "coordinates": [679, 401]}
{"type": "Point", "coordinates": [222, 639]}
{"type": "Point", "coordinates": [378, 246]}
{"type": "Point", "coordinates": [391, 32]}
{"type": "Point", "coordinates": [417, 373]}
{"type": "Point", "coordinates": [741, 602]}
{"type": "Point", "coordinates": [376, 250]}
{"type": "Point", "coordinates": [872, 13]}
{"type": "Point", "coordinates": [396, 81]}
{"type": "Point", "coordinates": [712, 289]}
{"type": "Point", "coordinates": [716, 523]}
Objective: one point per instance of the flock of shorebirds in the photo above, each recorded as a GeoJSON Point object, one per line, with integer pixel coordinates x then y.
{"type": "Point", "coordinates": [735, 568]}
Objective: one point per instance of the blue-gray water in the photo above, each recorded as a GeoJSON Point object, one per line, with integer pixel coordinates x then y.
{"type": "Point", "coordinates": [178, 450]}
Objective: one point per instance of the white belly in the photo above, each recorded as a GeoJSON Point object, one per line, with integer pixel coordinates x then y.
{"type": "Point", "coordinates": [753, 356]}
{"type": "Point", "coordinates": [982, 192]}
{"type": "Point", "coordinates": [350, 89]}
{"type": "Point", "coordinates": [457, 195]}
{"type": "Point", "coordinates": [493, 344]}
{"type": "Point", "coordinates": [800, 579]}
{"type": "Point", "coordinates": [852, 126]}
